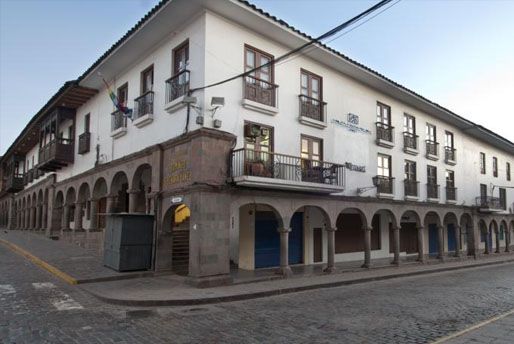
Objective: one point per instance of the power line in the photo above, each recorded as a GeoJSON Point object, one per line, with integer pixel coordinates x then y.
{"type": "Point", "coordinates": [300, 48]}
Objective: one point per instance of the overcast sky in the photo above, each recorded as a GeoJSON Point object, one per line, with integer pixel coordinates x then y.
{"type": "Point", "coordinates": [459, 54]}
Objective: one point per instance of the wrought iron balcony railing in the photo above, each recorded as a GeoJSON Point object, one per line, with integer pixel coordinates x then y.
{"type": "Point", "coordinates": [84, 142]}
{"type": "Point", "coordinates": [384, 184]}
{"type": "Point", "coordinates": [432, 148]}
{"type": "Point", "coordinates": [488, 202]}
{"type": "Point", "coordinates": [260, 91]}
{"type": "Point", "coordinates": [432, 191]}
{"type": "Point", "coordinates": [410, 141]}
{"type": "Point", "coordinates": [451, 193]}
{"type": "Point", "coordinates": [249, 162]}
{"type": "Point", "coordinates": [450, 154]}
{"type": "Point", "coordinates": [177, 86]}
{"type": "Point", "coordinates": [385, 132]}
{"type": "Point", "coordinates": [411, 187]}
{"type": "Point", "coordinates": [118, 120]}
{"type": "Point", "coordinates": [312, 108]}
{"type": "Point", "coordinates": [143, 105]}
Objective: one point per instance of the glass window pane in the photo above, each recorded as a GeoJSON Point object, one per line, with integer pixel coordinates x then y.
{"type": "Point", "coordinates": [315, 147]}
{"type": "Point", "coordinates": [304, 80]}
{"type": "Point", "coordinates": [305, 145]}
{"type": "Point", "coordinates": [250, 59]}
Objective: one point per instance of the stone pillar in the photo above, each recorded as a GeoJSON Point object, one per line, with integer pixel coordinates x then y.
{"type": "Point", "coordinates": [396, 244]}
{"type": "Point", "coordinates": [109, 205]}
{"type": "Point", "coordinates": [78, 216]}
{"type": "Point", "coordinates": [32, 215]}
{"type": "Point", "coordinates": [486, 250]}
{"type": "Point", "coordinates": [331, 248]}
{"type": "Point", "coordinates": [38, 217]}
{"type": "Point", "coordinates": [93, 214]}
{"type": "Point", "coordinates": [497, 237]}
{"type": "Point", "coordinates": [132, 195]}
{"type": "Point", "coordinates": [507, 240]}
{"type": "Point", "coordinates": [421, 245]}
{"type": "Point", "coordinates": [65, 225]}
{"type": "Point", "coordinates": [45, 216]}
{"type": "Point", "coordinates": [440, 242]}
{"type": "Point", "coordinates": [285, 269]}
{"type": "Point", "coordinates": [367, 247]}
{"type": "Point", "coordinates": [457, 241]}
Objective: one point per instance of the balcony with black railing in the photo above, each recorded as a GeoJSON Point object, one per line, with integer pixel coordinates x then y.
{"type": "Point", "coordinates": [84, 143]}
{"type": "Point", "coordinates": [432, 150]}
{"type": "Point", "coordinates": [279, 171]}
{"type": "Point", "coordinates": [56, 154]}
{"type": "Point", "coordinates": [260, 95]}
{"type": "Point", "coordinates": [411, 189]}
{"type": "Point", "coordinates": [385, 135]}
{"type": "Point", "coordinates": [143, 109]}
{"type": "Point", "coordinates": [450, 155]}
{"type": "Point", "coordinates": [118, 124]}
{"type": "Point", "coordinates": [432, 192]}
{"type": "Point", "coordinates": [488, 204]}
{"type": "Point", "coordinates": [313, 111]}
{"type": "Point", "coordinates": [410, 143]}
{"type": "Point", "coordinates": [384, 185]}
{"type": "Point", "coordinates": [451, 194]}
{"type": "Point", "coordinates": [176, 87]}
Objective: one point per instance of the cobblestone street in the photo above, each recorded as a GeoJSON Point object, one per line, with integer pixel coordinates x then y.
{"type": "Point", "coordinates": [37, 308]}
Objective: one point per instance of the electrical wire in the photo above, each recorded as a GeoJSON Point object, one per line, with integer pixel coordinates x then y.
{"type": "Point", "coordinates": [300, 48]}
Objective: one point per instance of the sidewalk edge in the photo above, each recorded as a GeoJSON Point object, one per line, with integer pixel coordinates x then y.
{"type": "Point", "coordinates": [275, 292]}
{"type": "Point", "coordinates": [41, 263]}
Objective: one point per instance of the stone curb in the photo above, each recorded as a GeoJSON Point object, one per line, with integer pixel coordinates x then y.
{"type": "Point", "coordinates": [64, 276]}
{"type": "Point", "coordinates": [280, 291]}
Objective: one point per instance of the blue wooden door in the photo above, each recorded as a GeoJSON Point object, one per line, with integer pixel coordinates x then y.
{"type": "Point", "coordinates": [451, 238]}
{"type": "Point", "coordinates": [267, 240]}
{"type": "Point", "coordinates": [433, 243]}
{"type": "Point", "coordinates": [296, 239]}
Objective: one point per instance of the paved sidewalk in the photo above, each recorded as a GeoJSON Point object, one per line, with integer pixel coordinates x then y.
{"type": "Point", "coordinates": [76, 263]}
{"type": "Point", "coordinates": [131, 288]}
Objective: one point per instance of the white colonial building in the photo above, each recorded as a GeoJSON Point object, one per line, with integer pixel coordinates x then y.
{"type": "Point", "coordinates": [316, 159]}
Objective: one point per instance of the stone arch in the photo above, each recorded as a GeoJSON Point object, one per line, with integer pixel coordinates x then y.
{"type": "Point", "coordinates": [411, 228]}
{"type": "Point", "coordinates": [70, 198]}
{"type": "Point", "coordinates": [84, 192]}
{"type": "Point", "coordinates": [141, 187]}
{"type": "Point", "coordinates": [118, 190]}
{"type": "Point", "coordinates": [99, 203]}
{"type": "Point", "coordinates": [351, 225]}
{"type": "Point", "coordinates": [434, 228]}
{"type": "Point", "coordinates": [176, 221]}
{"type": "Point", "coordinates": [100, 188]}
{"type": "Point", "coordinates": [453, 238]}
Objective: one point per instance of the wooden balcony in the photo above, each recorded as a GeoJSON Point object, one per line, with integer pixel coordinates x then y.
{"type": "Point", "coordinates": [279, 171]}
{"type": "Point", "coordinates": [260, 91]}
{"type": "Point", "coordinates": [488, 204]}
{"type": "Point", "coordinates": [84, 143]}
{"type": "Point", "coordinates": [56, 155]}
{"type": "Point", "coordinates": [14, 183]}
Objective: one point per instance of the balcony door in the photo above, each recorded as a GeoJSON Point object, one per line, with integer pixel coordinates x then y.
{"type": "Point", "coordinates": [431, 175]}
{"type": "Point", "coordinates": [409, 124]}
{"type": "Point", "coordinates": [310, 95]}
{"type": "Point", "coordinates": [431, 133]}
{"type": "Point", "coordinates": [147, 80]}
{"type": "Point", "coordinates": [311, 154]}
{"type": "Point", "coordinates": [258, 151]}
{"type": "Point", "coordinates": [384, 115]}
{"type": "Point", "coordinates": [180, 58]}
{"type": "Point", "coordinates": [123, 94]}
{"type": "Point", "coordinates": [259, 84]}
{"type": "Point", "coordinates": [448, 140]}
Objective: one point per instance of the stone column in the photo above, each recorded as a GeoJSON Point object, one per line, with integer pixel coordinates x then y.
{"type": "Point", "coordinates": [421, 244]}
{"type": "Point", "coordinates": [65, 225]}
{"type": "Point", "coordinates": [32, 214]}
{"type": "Point", "coordinates": [93, 214]}
{"type": "Point", "coordinates": [109, 205]}
{"type": "Point", "coordinates": [78, 216]}
{"type": "Point", "coordinates": [132, 195]}
{"type": "Point", "coordinates": [331, 248]}
{"type": "Point", "coordinates": [367, 247]}
{"type": "Point", "coordinates": [457, 241]}
{"type": "Point", "coordinates": [45, 216]}
{"type": "Point", "coordinates": [497, 237]}
{"type": "Point", "coordinates": [38, 217]}
{"type": "Point", "coordinates": [507, 240]}
{"type": "Point", "coordinates": [440, 242]}
{"type": "Point", "coordinates": [396, 244]}
{"type": "Point", "coordinates": [486, 250]}
{"type": "Point", "coordinates": [285, 269]}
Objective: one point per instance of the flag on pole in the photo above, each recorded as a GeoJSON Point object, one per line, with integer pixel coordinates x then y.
{"type": "Point", "coordinates": [119, 105]}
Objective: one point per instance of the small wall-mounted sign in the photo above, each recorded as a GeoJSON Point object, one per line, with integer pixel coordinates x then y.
{"type": "Point", "coordinates": [177, 199]}
{"type": "Point", "coordinates": [351, 124]}
{"type": "Point", "coordinates": [356, 168]}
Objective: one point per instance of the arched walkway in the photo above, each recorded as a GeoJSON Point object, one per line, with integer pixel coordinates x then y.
{"type": "Point", "coordinates": [468, 234]}
{"type": "Point", "coordinates": [353, 235]}
{"type": "Point", "coordinates": [412, 234]}
{"type": "Point", "coordinates": [485, 237]}
{"type": "Point", "coordinates": [141, 188]}
{"type": "Point", "coordinates": [453, 242]}
{"type": "Point", "coordinates": [99, 204]}
{"type": "Point", "coordinates": [119, 188]}
{"type": "Point", "coordinates": [494, 235]}
{"type": "Point", "coordinates": [435, 233]}
{"type": "Point", "coordinates": [82, 207]}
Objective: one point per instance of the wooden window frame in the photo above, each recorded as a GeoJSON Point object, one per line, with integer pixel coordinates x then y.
{"type": "Point", "coordinates": [142, 77]}
{"type": "Point", "coordinates": [118, 92]}
{"type": "Point", "coordinates": [450, 173]}
{"type": "Point", "coordinates": [411, 162]}
{"type": "Point", "coordinates": [259, 52]}
{"type": "Point", "coordinates": [405, 122]}
{"type": "Point", "coordinates": [430, 167]}
{"type": "Point", "coordinates": [174, 56]}
{"type": "Point", "coordinates": [379, 108]}
{"type": "Point", "coordinates": [311, 75]}
{"type": "Point", "coordinates": [482, 163]}
{"type": "Point", "coordinates": [495, 167]}
{"type": "Point", "coordinates": [310, 139]}
{"type": "Point", "coordinates": [427, 132]}
{"type": "Point", "coordinates": [380, 155]}
{"type": "Point", "coordinates": [272, 133]}
{"type": "Point", "coordinates": [507, 168]}
{"type": "Point", "coordinates": [87, 123]}
{"type": "Point", "coordinates": [452, 143]}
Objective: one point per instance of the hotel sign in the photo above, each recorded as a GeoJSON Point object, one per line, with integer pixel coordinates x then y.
{"type": "Point", "coordinates": [351, 124]}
